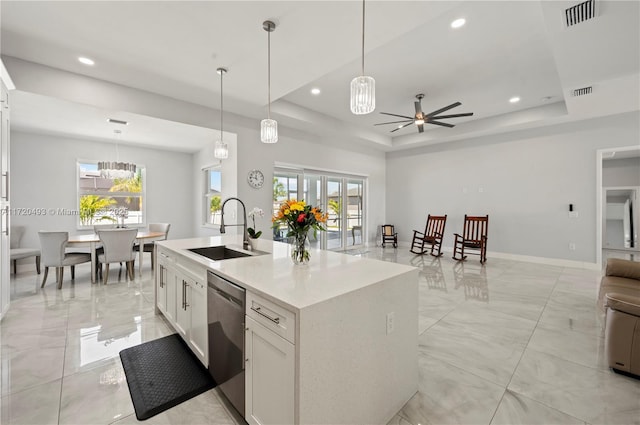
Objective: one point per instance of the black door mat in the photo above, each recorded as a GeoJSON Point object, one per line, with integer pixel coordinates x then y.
{"type": "Point", "coordinates": [163, 373]}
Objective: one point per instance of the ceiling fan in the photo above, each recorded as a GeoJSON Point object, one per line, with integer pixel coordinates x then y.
{"type": "Point", "coordinates": [420, 118]}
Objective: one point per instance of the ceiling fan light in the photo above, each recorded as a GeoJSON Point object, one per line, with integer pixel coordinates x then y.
{"type": "Point", "coordinates": [269, 131]}
{"type": "Point", "coordinates": [363, 95]}
{"type": "Point", "coordinates": [221, 150]}
{"type": "Point", "coordinates": [419, 121]}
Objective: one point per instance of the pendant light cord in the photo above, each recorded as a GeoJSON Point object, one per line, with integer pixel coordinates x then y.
{"type": "Point", "coordinates": [269, 73]}
{"type": "Point", "coordinates": [363, 37]}
{"type": "Point", "coordinates": [221, 106]}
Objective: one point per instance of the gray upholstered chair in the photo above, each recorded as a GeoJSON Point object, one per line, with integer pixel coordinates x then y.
{"type": "Point", "coordinates": [16, 253]}
{"type": "Point", "coordinates": [118, 248]}
{"type": "Point", "coordinates": [53, 246]}
{"type": "Point", "coordinates": [149, 247]}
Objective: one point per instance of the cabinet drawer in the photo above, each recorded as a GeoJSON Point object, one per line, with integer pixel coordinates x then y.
{"type": "Point", "coordinates": [272, 316]}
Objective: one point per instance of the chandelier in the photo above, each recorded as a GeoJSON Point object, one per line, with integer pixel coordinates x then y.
{"type": "Point", "coordinates": [115, 169]}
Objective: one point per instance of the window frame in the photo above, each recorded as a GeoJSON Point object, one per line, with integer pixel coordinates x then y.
{"type": "Point", "coordinates": [207, 193]}
{"type": "Point", "coordinates": [79, 193]}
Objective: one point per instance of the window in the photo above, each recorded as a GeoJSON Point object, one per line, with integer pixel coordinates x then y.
{"type": "Point", "coordinates": [341, 196]}
{"type": "Point", "coordinates": [110, 200]}
{"type": "Point", "coordinates": [212, 195]}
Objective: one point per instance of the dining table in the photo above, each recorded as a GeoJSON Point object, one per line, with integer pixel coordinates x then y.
{"type": "Point", "coordinates": [92, 241]}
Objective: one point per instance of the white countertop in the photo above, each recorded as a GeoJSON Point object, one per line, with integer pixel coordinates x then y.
{"type": "Point", "coordinates": [328, 274]}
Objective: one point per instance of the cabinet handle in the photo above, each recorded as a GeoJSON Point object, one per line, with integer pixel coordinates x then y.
{"type": "Point", "coordinates": [6, 221]}
{"type": "Point", "coordinates": [6, 176]}
{"type": "Point", "coordinates": [183, 292]}
{"type": "Point", "coordinates": [186, 304]}
{"type": "Point", "coordinates": [258, 310]}
{"type": "Point", "coordinates": [162, 275]}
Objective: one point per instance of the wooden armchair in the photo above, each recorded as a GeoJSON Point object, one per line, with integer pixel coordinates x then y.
{"type": "Point", "coordinates": [389, 235]}
{"type": "Point", "coordinates": [474, 237]}
{"type": "Point", "coordinates": [432, 235]}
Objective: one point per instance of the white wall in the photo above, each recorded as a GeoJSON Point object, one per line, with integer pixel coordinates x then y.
{"type": "Point", "coordinates": [44, 176]}
{"type": "Point", "coordinates": [621, 172]}
{"type": "Point", "coordinates": [300, 149]}
{"type": "Point", "coordinates": [524, 181]}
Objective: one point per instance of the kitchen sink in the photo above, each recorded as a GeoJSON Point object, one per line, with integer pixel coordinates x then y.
{"type": "Point", "coordinates": [218, 253]}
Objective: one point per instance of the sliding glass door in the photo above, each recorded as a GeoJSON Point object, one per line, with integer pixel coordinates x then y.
{"type": "Point", "coordinates": [340, 196]}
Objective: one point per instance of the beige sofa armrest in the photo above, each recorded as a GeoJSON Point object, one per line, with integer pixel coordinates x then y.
{"type": "Point", "coordinates": [623, 268]}
{"type": "Point", "coordinates": [624, 303]}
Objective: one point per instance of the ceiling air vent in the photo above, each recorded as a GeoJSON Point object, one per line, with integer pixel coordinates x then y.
{"type": "Point", "coordinates": [583, 91]}
{"type": "Point", "coordinates": [115, 121]}
{"type": "Point", "coordinates": [579, 13]}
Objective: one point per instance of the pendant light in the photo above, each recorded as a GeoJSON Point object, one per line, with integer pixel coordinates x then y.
{"type": "Point", "coordinates": [115, 169]}
{"type": "Point", "coordinates": [269, 127]}
{"type": "Point", "coordinates": [363, 88]}
{"type": "Point", "coordinates": [221, 150]}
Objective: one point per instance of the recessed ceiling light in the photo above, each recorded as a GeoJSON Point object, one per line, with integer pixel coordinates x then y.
{"type": "Point", "coordinates": [514, 99]}
{"type": "Point", "coordinates": [458, 23]}
{"type": "Point", "coordinates": [86, 61]}
{"type": "Point", "coordinates": [400, 126]}
{"type": "Point", "coordinates": [315, 91]}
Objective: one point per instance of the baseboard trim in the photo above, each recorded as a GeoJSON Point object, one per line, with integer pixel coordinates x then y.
{"type": "Point", "coordinates": [524, 258]}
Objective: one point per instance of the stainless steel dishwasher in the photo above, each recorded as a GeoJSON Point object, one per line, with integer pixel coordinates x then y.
{"type": "Point", "coordinates": [225, 312]}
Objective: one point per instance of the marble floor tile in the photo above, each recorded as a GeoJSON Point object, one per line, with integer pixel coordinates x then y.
{"type": "Point", "coordinates": [573, 311]}
{"type": "Point", "coordinates": [508, 342]}
{"type": "Point", "coordinates": [31, 367]}
{"type": "Point", "coordinates": [516, 409]}
{"type": "Point", "coordinates": [473, 351]}
{"type": "Point", "coordinates": [587, 350]}
{"type": "Point", "coordinates": [97, 396]}
{"type": "Point", "coordinates": [591, 395]}
{"type": "Point", "coordinates": [100, 345]}
{"type": "Point", "coordinates": [37, 405]}
{"type": "Point", "coordinates": [203, 409]}
{"type": "Point", "coordinates": [449, 395]}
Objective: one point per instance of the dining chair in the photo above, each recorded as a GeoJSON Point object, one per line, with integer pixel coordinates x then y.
{"type": "Point", "coordinates": [149, 247]}
{"type": "Point", "coordinates": [52, 248]}
{"type": "Point", "coordinates": [17, 253]}
{"type": "Point", "coordinates": [118, 248]}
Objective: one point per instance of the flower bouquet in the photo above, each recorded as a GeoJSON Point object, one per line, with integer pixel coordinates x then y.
{"type": "Point", "coordinates": [299, 218]}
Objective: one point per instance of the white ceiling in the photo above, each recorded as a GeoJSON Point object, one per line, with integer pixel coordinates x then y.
{"type": "Point", "coordinates": [507, 48]}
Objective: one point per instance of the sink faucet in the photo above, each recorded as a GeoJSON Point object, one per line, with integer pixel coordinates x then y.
{"type": "Point", "coordinates": [245, 234]}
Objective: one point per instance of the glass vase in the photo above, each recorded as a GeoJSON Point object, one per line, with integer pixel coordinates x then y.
{"type": "Point", "coordinates": [300, 247]}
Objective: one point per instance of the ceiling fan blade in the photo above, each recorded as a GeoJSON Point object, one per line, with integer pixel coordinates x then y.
{"type": "Point", "coordinates": [446, 108]}
{"type": "Point", "coordinates": [396, 115]}
{"type": "Point", "coordinates": [392, 122]}
{"type": "Point", "coordinates": [418, 106]}
{"type": "Point", "coordinates": [444, 124]}
{"type": "Point", "coordinates": [402, 126]}
{"type": "Point", "coordinates": [420, 128]}
{"type": "Point", "coordinates": [467, 114]}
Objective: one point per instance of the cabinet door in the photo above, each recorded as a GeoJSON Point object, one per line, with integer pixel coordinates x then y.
{"type": "Point", "coordinates": [161, 289]}
{"type": "Point", "coordinates": [198, 336]}
{"type": "Point", "coordinates": [4, 261]}
{"type": "Point", "coordinates": [183, 314]}
{"type": "Point", "coordinates": [269, 376]}
{"type": "Point", "coordinates": [171, 295]}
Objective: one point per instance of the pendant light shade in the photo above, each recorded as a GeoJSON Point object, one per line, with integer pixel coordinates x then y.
{"type": "Point", "coordinates": [269, 131]}
{"type": "Point", "coordinates": [269, 127]}
{"type": "Point", "coordinates": [363, 88]}
{"type": "Point", "coordinates": [363, 95]}
{"type": "Point", "coordinates": [221, 150]}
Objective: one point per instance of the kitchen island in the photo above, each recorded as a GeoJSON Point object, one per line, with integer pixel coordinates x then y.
{"type": "Point", "coordinates": [334, 341]}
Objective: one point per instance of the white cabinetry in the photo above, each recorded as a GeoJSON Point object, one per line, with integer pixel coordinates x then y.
{"type": "Point", "coordinates": [4, 198]}
{"type": "Point", "coordinates": [181, 296]}
{"type": "Point", "coordinates": [270, 363]}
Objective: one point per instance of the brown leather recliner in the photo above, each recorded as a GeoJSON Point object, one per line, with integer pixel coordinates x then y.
{"type": "Point", "coordinates": [620, 295]}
